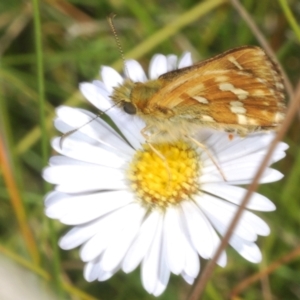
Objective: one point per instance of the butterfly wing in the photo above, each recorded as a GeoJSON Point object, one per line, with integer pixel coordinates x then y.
{"type": "Point", "coordinates": [239, 87]}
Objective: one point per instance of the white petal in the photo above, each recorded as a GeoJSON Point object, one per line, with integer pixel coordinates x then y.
{"type": "Point", "coordinates": [80, 234]}
{"type": "Point", "coordinates": [97, 95]}
{"type": "Point", "coordinates": [111, 78]}
{"type": "Point", "coordinates": [60, 160]}
{"type": "Point", "coordinates": [238, 148]}
{"type": "Point", "coordinates": [199, 229]}
{"type": "Point", "coordinates": [85, 208]}
{"type": "Point", "coordinates": [190, 280]}
{"type": "Point", "coordinates": [77, 149]}
{"type": "Point", "coordinates": [245, 248]}
{"type": "Point", "coordinates": [279, 153]}
{"type": "Point", "coordinates": [230, 149]}
{"type": "Point", "coordinates": [222, 260]}
{"type": "Point", "coordinates": [185, 60]}
{"type": "Point", "coordinates": [108, 225]}
{"type": "Point", "coordinates": [99, 132]}
{"type": "Point", "coordinates": [248, 250]}
{"type": "Point", "coordinates": [239, 174]}
{"type": "Point", "coordinates": [134, 71]}
{"type": "Point", "coordinates": [222, 225]}
{"type": "Point", "coordinates": [75, 179]}
{"type": "Point", "coordinates": [158, 66]}
{"type": "Point", "coordinates": [253, 162]}
{"type": "Point", "coordinates": [163, 275]}
{"type": "Point", "coordinates": [103, 276]}
{"type": "Point", "coordinates": [192, 262]}
{"type": "Point", "coordinates": [91, 271]}
{"type": "Point", "coordinates": [171, 62]}
{"type": "Point", "coordinates": [141, 244]}
{"type": "Point", "coordinates": [151, 263]}
{"type": "Point", "coordinates": [75, 174]}
{"type": "Point", "coordinates": [236, 194]}
{"type": "Point", "coordinates": [173, 237]}
{"type": "Point", "coordinates": [109, 228]}
{"type": "Point", "coordinates": [130, 126]}
{"type": "Point", "coordinates": [221, 211]}
{"type": "Point", "coordinates": [270, 175]}
{"type": "Point", "coordinates": [53, 197]}
{"type": "Point", "coordinates": [121, 240]}
{"type": "Point", "coordinates": [85, 187]}
{"type": "Point", "coordinates": [101, 85]}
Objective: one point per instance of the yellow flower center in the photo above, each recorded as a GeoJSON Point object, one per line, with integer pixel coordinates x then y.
{"type": "Point", "coordinates": [165, 175]}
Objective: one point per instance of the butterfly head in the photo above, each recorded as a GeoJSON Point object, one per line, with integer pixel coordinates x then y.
{"type": "Point", "coordinates": [129, 108]}
{"type": "Point", "coordinates": [134, 97]}
{"type": "Point", "coordinates": [122, 96]}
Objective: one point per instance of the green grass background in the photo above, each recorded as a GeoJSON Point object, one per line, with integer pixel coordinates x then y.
{"type": "Point", "coordinates": [47, 49]}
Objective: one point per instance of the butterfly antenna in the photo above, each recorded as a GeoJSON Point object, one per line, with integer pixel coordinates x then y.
{"type": "Point", "coordinates": [114, 31]}
{"type": "Point", "coordinates": [65, 135]}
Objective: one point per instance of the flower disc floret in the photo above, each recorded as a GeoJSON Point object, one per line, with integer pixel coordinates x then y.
{"type": "Point", "coordinates": [165, 174]}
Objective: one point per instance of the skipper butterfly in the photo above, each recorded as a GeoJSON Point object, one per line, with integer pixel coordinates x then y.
{"type": "Point", "coordinates": [239, 91]}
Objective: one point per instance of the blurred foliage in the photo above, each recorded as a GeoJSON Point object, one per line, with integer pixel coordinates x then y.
{"type": "Point", "coordinates": [76, 41]}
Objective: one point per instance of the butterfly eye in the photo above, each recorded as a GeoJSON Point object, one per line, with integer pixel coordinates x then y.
{"type": "Point", "coordinates": [129, 108]}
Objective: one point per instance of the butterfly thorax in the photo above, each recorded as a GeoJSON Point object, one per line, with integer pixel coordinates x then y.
{"type": "Point", "coordinates": [134, 98]}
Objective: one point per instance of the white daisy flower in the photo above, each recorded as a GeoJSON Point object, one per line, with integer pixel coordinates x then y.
{"type": "Point", "coordinates": [126, 208]}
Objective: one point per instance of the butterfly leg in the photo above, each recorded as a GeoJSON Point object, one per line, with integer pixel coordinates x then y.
{"type": "Point", "coordinates": [202, 146]}
{"type": "Point", "coordinates": [230, 136]}
{"type": "Point", "coordinates": [147, 138]}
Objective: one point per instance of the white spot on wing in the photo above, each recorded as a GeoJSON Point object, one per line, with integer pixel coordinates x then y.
{"type": "Point", "coordinates": [258, 93]}
{"type": "Point", "coordinates": [272, 92]}
{"type": "Point", "coordinates": [242, 119]}
{"type": "Point", "coordinates": [279, 117]}
{"type": "Point", "coordinates": [201, 99]}
{"type": "Point", "coordinates": [216, 72]}
{"type": "Point", "coordinates": [236, 103]}
{"type": "Point", "coordinates": [252, 121]}
{"type": "Point", "coordinates": [207, 118]}
{"type": "Point", "coordinates": [200, 86]}
{"type": "Point", "coordinates": [237, 107]}
{"type": "Point", "coordinates": [279, 85]}
{"type": "Point", "coordinates": [235, 62]}
{"type": "Point", "coordinates": [238, 110]}
{"type": "Point", "coordinates": [226, 86]}
{"type": "Point", "coordinates": [260, 52]}
{"type": "Point", "coordinates": [240, 93]}
{"type": "Point", "coordinates": [221, 78]}
{"type": "Point", "coordinates": [261, 80]}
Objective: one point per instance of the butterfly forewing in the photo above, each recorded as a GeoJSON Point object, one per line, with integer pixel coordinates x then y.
{"type": "Point", "coordinates": [239, 87]}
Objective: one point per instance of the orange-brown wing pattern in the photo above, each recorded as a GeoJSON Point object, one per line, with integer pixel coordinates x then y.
{"type": "Point", "coordinates": [241, 86]}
